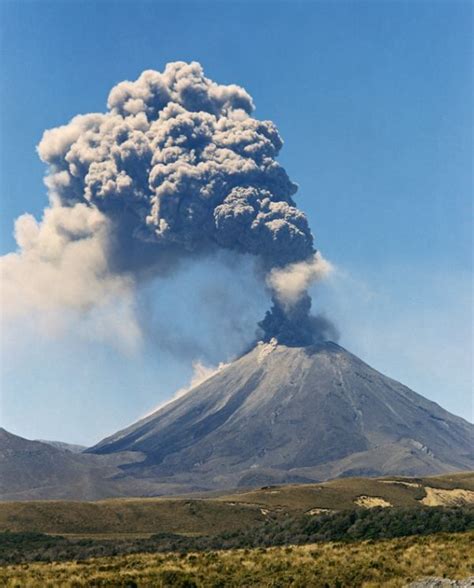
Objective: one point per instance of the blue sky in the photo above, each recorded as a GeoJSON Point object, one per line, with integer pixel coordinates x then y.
{"type": "Point", "coordinates": [374, 103]}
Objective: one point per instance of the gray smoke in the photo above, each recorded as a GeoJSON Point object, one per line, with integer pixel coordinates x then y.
{"type": "Point", "coordinates": [177, 167]}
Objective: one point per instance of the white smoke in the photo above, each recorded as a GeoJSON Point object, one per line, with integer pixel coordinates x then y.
{"type": "Point", "coordinates": [61, 262]}
{"type": "Point", "coordinates": [62, 268]}
{"type": "Point", "coordinates": [201, 373]}
{"type": "Point", "coordinates": [291, 282]}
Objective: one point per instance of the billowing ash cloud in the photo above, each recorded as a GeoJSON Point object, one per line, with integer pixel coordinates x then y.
{"type": "Point", "coordinates": [176, 168]}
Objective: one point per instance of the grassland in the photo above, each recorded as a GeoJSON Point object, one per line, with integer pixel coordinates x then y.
{"type": "Point", "coordinates": [126, 516]}
{"type": "Point", "coordinates": [294, 535]}
{"type": "Point", "coordinates": [213, 513]}
{"type": "Point", "coordinates": [389, 563]}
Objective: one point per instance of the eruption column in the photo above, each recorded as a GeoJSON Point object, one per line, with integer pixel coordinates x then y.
{"type": "Point", "coordinates": [176, 168]}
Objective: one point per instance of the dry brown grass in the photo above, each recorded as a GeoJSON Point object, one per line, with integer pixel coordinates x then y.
{"type": "Point", "coordinates": [208, 514]}
{"type": "Point", "coordinates": [390, 563]}
{"type": "Point", "coordinates": [456, 497]}
{"type": "Point", "coordinates": [129, 516]}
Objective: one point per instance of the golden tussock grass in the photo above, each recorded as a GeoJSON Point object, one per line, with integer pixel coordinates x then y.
{"type": "Point", "coordinates": [368, 564]}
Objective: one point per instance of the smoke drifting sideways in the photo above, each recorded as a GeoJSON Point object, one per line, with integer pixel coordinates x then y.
{"type": "Point", "coordinates": [177, 169]}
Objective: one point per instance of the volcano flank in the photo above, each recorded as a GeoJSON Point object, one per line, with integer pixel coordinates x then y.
{"type": "Point", "coordinates": [293, 414]}
{"type": "Point", "coordinates": [275, 415]}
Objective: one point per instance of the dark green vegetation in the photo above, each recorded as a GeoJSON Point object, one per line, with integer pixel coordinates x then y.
{"type": "Point", "coordinates": [347, 526]}
{"type": "Point", "coordinates": [391, 563]}
{"type": "Point", "coordinates": [359, 524]}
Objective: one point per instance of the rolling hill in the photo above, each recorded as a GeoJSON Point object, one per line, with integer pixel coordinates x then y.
{"type": "Point", "coordinates": [212, 513]}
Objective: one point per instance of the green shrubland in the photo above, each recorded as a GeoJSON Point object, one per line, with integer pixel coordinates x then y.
{"type": "Point", "coordinates": [287, 529]}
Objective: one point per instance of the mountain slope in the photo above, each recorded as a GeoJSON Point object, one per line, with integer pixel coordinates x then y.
{"type": "Point", "coordinates": [71, 447]}
{"type": "Point", "coordinates": [294, 414]}
{"type": "Point", "coordinates": [36, 470]}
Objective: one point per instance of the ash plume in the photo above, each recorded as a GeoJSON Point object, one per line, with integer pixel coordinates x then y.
{"type": "Point", "coordinates": [176, 169]}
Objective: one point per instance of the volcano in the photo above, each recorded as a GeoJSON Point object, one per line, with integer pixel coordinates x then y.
{"type": "Point", "coordinates": [293, 414]}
